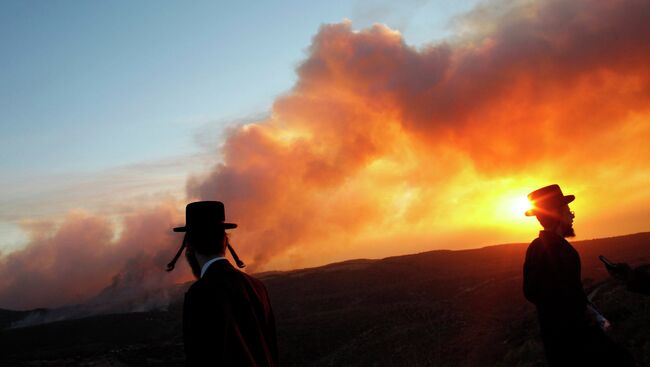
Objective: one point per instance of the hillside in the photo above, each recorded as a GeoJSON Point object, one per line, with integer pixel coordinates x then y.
{"type": "Point", "coordinates": [438, 308]}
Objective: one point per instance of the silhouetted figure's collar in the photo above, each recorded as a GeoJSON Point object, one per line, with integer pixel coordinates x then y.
{"type": "Point", "coordinates": [551, 236]}
{"type": "Point", "coordinates": [210, 262]}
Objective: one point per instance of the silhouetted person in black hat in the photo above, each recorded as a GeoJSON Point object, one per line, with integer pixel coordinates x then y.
{"type": "Point", "coordinates": [572, 329]}
{"type": "Point", "coordinates": [227, 315]}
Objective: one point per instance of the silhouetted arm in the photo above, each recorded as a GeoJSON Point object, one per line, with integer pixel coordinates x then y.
{"type": "Point", "coordinates": [536, 277]}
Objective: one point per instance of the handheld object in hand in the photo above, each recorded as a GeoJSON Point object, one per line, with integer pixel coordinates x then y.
{"type": "Point", "coordinates": [606, 261]}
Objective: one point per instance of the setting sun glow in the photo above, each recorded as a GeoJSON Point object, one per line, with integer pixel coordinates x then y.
{"type": "Point", "coordinates": [519, 205]}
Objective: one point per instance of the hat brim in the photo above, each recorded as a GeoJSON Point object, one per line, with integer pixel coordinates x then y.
{"type": "Point", "coordinates": [221, 225]}
{"type": "Point", "coordinates": [534, 211]}
{"type": "Point", "coordinates": [569, 198]}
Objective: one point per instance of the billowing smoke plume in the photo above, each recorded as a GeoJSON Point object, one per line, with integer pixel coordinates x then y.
{"type": "Point", "coordinates": [383, 148]}
{"type": "Point", "coordinates": [379, 139]}
{"type": "Point", "coordinates": [83, 257]}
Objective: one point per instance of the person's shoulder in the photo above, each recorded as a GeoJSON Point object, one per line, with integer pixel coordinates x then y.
{"type": "Point", "coordinates": [207, 296]}
{"type": "Point", "coordinates": [206, 288]}
{"type": "Point", "coordinates": [197, 288]}
{"type": "Point", "coordinates": [535, 244]}
{"type": "Point", "coordinates": [238, 276]}
{"type": "Point", "coordinates": [251, 281]}
{"type": "Point", "coordinates": [225, 278]}
{"type": "Point", "coordinates": [536, 249]}
{"type": "Point", "coordinates": [255, 281]}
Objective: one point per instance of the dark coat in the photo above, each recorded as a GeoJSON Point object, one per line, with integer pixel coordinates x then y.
{"type": "Point", "coordinates": [228, 320]}
{"type": "Point", "coordinates": [552, 281]}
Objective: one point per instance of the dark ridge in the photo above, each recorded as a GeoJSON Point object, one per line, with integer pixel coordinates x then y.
{"type": "Point", "coordinates": [436, 308]}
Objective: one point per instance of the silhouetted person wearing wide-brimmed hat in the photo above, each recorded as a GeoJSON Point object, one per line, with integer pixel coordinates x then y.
{"type": "Point", "coordinates": [227, 315]}
{"type": "Point", "coordinates": [572, 329]}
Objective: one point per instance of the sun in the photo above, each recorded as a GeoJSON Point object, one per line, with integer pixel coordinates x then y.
{"type": "Point", "coordinates": [512, 207]}
{"type": "Point", "coordinates": [518, 205]}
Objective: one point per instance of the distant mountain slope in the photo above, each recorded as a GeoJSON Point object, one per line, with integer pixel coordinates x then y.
{"type": "Point", "coordinates": [432, 308]}
{"type": "Point", "coordinates": [7, 317]}
{"type": "Point", "coordinates": [438, 308]}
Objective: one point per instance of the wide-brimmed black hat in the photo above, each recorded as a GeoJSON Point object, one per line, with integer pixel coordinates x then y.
{"type": "Point", "coordinates": [547, 200]}
{"type": "Point", "coordinates": [205, 216]}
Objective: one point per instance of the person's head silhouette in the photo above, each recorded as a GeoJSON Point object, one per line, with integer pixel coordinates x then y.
{"type": "Point", "coordinates": [551, 207]}
{"type": "Point", "coordinates": [205, 234]}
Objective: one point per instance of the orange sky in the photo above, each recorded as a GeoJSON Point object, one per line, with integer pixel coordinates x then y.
{"type": "Point", "coordinates": [384, 149]}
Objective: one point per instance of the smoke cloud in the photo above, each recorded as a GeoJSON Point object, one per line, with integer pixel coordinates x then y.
{"type": "Point", "coordinates": [383, 148]}
{"type": "Point", "coordinates": [87, 255]}
{"type": "Point", "coordinates": [379, 137]}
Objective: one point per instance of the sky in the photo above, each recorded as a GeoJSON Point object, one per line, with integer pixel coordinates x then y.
{"type": "Point", "coordinates": [330, 131]}
{"type": "Point", "coordinates": [92, 92]}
